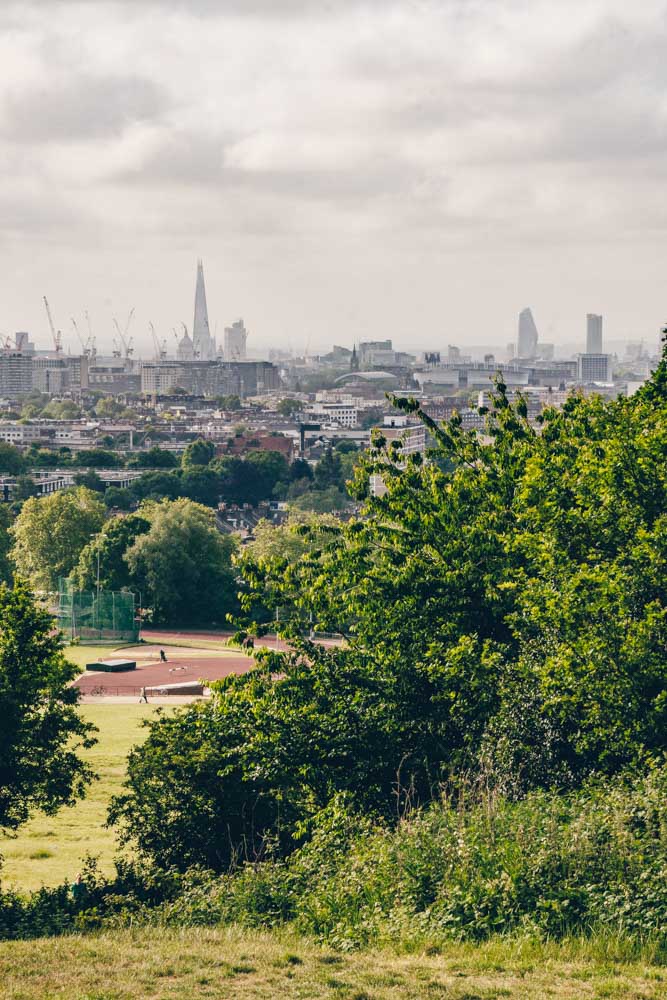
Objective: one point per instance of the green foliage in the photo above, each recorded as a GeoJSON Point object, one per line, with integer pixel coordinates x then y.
{"type": "Point", "coordinates": [199, 452]}
{"type": "Point", "coordinates": [90, 480]}
{"type": "Point", "coordinates": [41, 731]}
{"type": "Point", "coordinates": [329, 501]}
{"type": "Point", "coordinates": [182, 564]}
{"type": "Point", "coordinates": [107, 552]}
{"type": "Point", "coordinates": [99, 458]}
{"type": "Point", "coordinates": [328, 471]}
{"type": "Point", "coordinates": [154, 458]}
{"type": "Point", "coordinates": [11, 460]}
{"type": "Point", "coordinates": [288, 407]}
{"type": "Point", "coordinates": [5, 543]}
{"type": "Point", "coordinates": [50, 533]}
{"type": "Point", "coordinates": [64, 409]}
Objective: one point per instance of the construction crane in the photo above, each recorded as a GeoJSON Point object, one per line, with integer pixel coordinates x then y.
{"type": "Point", "coordinates": [92, 346]}
{"type": "Point", "coordinates": [123, 337]}
{"type": "Point", "coordinates": [84, 346]}
{"type": "Point", "coordinates": [160, 347]}
{"type": "Point", "coordinates": [57, 336]}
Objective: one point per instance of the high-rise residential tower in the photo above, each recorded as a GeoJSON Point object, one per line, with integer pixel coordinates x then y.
{"type": "Point", "coordinates": [236, 336]}
{"type": "Point", "coordinates": [593, 334]}
{"type": "Point", "coordinates": [204, 345]}
{"type": "Point", "coordinates": [527, 339]}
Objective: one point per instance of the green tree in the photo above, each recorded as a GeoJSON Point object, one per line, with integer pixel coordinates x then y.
{"type": "Point", "coordinates": [288, 407]}
{"type": "Point", "coordinates": [5, 544]}
{"type": "Point", "coordinates": [154, 458]}
{"type": "Point", "coordinates": [329, 471]}
{"type": "Point", "coordinates": [197, 453]}
{"type": "Point", "coordinates": [183, 564]}
{"type": "Point", "coordinates": [116, 498]}
{"type": "Point", "coordinates": [11, 460]}
{"type": "Point", "coordinates": [50, 533]}
{"type": "Point", "coordinates": [99, 458]}
{"type": "Point", "coordinates": [41, 734]}
{"type": "Point", "coordinates": [505, 615]}
{"type": "Point", "coordinates": [90, 480]}
{"type": "Point", "coordinates": [107, 551]}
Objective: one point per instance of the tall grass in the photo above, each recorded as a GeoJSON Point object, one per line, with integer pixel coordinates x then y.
{"type": "Point", "coordinates": [591, 865]}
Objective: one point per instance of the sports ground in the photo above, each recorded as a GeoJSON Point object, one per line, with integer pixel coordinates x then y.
{"type": "Point", "coordinates": [191, 657]}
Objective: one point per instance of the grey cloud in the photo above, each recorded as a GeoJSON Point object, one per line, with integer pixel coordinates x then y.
{"type": "Point", "coordinates": [81, 108]}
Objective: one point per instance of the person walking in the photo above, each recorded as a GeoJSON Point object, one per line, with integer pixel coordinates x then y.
{"type": "Point", "coordinates": [144, 696]}
{"type": "Point", "coordinates": [163, 656]}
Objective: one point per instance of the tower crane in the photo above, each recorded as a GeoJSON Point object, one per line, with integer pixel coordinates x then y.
{"type": "Point", "coordinates": [57, 336]}
{"type": "Point", "coordinates": [160, 347]}
{"type": "Point", "coordinates": [91, 338]}
{"type": "Point", "coordinates": [84, 346]}
{"type": "Point", "coordinates": [124, 340]}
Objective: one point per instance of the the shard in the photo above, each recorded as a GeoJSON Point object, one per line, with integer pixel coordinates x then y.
{"type": "Point", "coordinates": [204, 345]}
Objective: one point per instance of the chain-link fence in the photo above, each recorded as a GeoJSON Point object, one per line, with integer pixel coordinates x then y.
{"type": "Point", "coordinates": [97, 616]}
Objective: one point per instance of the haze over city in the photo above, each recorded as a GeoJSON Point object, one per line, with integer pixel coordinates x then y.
{"type": "Point", "coordinates": [419, 171]}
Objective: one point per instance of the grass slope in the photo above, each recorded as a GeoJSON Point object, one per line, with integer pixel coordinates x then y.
{"type": "Point", "coordinates": [48, 849]}
{"type": "Point", "coordinates": [225, 964]}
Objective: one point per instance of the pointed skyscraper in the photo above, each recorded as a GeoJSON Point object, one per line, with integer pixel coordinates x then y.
{"type": "Point", "coordinates": [201, 335]}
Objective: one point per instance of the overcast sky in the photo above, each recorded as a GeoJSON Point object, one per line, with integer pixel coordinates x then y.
{"type": "Point", "coordinates": [347, 170]}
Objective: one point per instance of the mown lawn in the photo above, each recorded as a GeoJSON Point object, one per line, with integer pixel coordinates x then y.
{"type": "Point", "coordinates": [200, 963]}
{"type": "Point", "coordinates": [49, 849]}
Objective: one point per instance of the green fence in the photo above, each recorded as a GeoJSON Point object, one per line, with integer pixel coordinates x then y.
{"type": "Point", "coordinates": [97, 616]}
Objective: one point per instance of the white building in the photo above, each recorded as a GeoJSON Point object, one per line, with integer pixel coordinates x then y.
{"type": "Point", "coordinates": [344, 414]}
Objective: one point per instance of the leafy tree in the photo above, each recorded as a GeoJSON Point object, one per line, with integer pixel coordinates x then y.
{"type": "Point", "coordinates": [117, 498]}
{"type": "Point", "coordinates": [288, 407]}
{"type": "Point", "coordinates": [5, 544]}
{"type": "Point", "coordinates": [108, 408]}
{"type": "Point", "coordinates": [183, 564]}
{"type": "Point", "coordinates": [24, 488]}
{"type": "Point", "coordinates": [231, 402]}
{"type": "Point", "coordinates": [505, 614]}
{"type": "Point", "coordinates": [300, 469]}
{"type": "Point", "coordinates": [89, 479]}
{"type": "Point", "coordinates": [11, 460]}
{"type": "Point", "coordinates": [41, 733]}
{"type": "Point", "coordinates": [154, 458]}
{"type": "Point", "coordinates": [99, 458]}
{"type": "Point", "coordinates": [201, 484]}
{"type": "Point", "coordinates": [328, 471]}
{"type": "Point", "coordinates": [156, 486]}
{"type": "Point", "coordinates": [50, 533]}
{"type": "Point", "coordinates": [64, 409]}
{"type": "Point", "coordinates": [321, 501]}
{"type": "Point", "coordinates": [346, 447]}
{"type": "Point", "coordinates": [107, 551]}
{"type": "Point", "coordinates": [199, 452]}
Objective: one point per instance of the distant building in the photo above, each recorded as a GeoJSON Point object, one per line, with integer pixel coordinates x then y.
{"type": "Point", "coordinates": [185, 350]}
{"type": "Point", "coordinates": [528, 336]}
{"type": "Point", "coordinates": [203, 342]}
{"type": "Point", "coordinates": [410, 435]}
{"type": "Point", "coordinates": [15, 374]}
{"type": "Point", "coordinates": [593, 334]}
{"type": "Point", "coordinates": [236, 337]}
{"type": "Point", "coordinates": [345, 414]}
{"type": "Point", "coordinates": [594, 368]}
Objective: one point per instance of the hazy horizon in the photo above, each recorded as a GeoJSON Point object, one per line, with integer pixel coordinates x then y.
{"type": "Point", "coordinates": [413, 170]}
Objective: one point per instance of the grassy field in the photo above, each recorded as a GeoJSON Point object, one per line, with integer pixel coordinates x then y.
{"type": "Point", "coordinates": [48, 849]}
{"type": "Point", "coordinates": [81, 655]}
{"type": "Point", "coordinates": [200, 963]}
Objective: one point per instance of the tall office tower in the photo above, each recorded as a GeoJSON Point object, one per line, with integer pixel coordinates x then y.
{"type": "Point", "coordinates": [204, 345]}
{"type": "Point", "coordinates": [527, 339]}
{"type": "Point", "coordinates": [593, 334]}
{"type": "Point", "coordinates": [236, 336]}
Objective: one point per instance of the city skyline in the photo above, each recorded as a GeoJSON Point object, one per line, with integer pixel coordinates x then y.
{"type": "Point", "coordinates": [352, 172]}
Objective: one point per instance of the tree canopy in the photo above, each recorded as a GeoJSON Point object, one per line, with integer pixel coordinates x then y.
{"type": "Point", "coordinates": [50, 533]}
{"type": "Point", "coordinates": [182, 564]}
{"type": "Point", "coordinates": [504, 605]}
{"type": "Point", "coordinates": [41, 732]}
